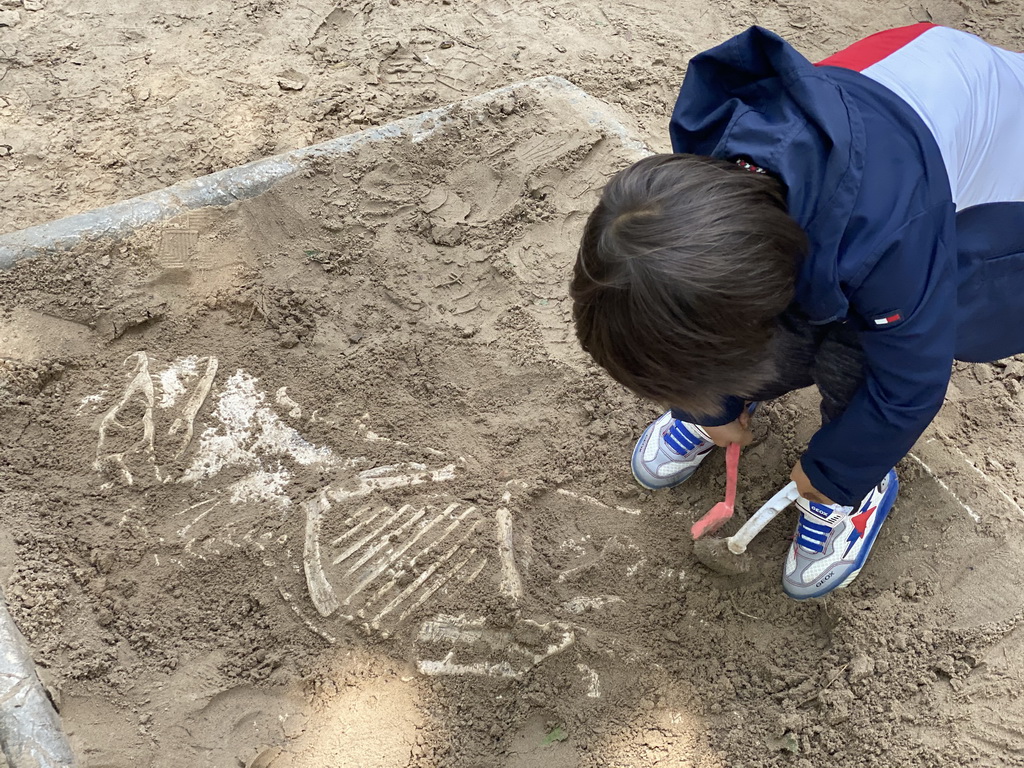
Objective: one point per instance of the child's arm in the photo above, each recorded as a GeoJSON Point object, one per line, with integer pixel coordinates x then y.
{"type": "Point", "coordinates": [730, 425]}
{"type": "Point", "coordinates": [906, 305]}
{"type": "Point", "coordinates": [736, 431]}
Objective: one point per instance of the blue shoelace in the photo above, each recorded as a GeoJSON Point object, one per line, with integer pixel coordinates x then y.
{"type": "Point", "coordinates": [811, 535]}
{"type": "Point", "coordinates": [680, 439]}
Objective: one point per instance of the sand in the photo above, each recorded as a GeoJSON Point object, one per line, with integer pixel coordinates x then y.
{"type": "Point", "coordinates": [322, 479]}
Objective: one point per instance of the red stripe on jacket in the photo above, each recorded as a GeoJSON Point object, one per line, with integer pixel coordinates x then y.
{"type": "Point", "coordinates": [872, 50]}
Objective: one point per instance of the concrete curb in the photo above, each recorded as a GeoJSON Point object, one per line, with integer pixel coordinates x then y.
{"type": "Point", "coordinates": [255, 178]}
{"type": "Point", "coordinates": [30, 730]}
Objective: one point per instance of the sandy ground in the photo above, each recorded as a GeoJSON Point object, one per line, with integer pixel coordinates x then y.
{"type": "Point", "coordinates": [321, 479]}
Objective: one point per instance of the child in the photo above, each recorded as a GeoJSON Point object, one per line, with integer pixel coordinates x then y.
{"type": "Point", "coordinates": [856, 224]}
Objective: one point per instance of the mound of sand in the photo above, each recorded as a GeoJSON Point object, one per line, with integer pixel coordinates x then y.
{"type": "Point", "coordinates": [322, 478]}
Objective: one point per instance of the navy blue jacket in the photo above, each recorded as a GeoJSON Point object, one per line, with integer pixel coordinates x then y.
{"type": "Point", "coordinates": [866, 182]}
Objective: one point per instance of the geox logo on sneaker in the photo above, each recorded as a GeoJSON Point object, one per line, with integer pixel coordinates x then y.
{"type": "Point", "coordinates": [820, 510]}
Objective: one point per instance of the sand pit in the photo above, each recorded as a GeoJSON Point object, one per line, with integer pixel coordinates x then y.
{"type": "Point", "coordinates": [320, 478]}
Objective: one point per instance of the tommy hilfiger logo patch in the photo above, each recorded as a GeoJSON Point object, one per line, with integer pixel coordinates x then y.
{"type": "Point", "coordinates": [895, 317]}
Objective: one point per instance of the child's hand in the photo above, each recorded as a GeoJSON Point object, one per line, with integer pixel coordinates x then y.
{"type": "Point", "coordinates": [803, 485]}
{"type": "Point", "coordinates": [734, 432]}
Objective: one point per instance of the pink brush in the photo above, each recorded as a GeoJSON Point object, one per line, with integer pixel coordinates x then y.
{"type": "Point", "coordinates": [723, 510]}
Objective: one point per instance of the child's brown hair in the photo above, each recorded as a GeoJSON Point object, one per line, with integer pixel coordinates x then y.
{"type": "Point", "coordinates": [683, 268]}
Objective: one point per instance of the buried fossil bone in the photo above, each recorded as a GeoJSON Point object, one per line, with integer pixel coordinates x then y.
{"type": "Point", "coordinates": [188, 417]}
{"type": "Point", "coordinates": [141, 384]}
{"type": "Point", "coordinates": [511, 581]}
{"type": "Point", "coordinates": [507, 652]}
{"type": "Point", "coordinates": [320, 590]}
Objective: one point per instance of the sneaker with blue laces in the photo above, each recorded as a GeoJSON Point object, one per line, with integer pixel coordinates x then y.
{"type": "Point", "coordinates": [668, 452]}
{"type": "Point", "coordinates": [833, 542]}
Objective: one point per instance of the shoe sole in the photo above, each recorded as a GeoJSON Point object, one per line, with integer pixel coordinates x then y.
{"type": "Point", "coordinates": [638, 451]}
{"type": "Point", "coordinates": [887, 502]}
{"type": "Point", "coordinates": [672, 484]}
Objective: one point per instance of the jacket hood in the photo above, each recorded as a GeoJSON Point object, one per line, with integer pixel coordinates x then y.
{"type": "Point", "coordinates": [755, 96]}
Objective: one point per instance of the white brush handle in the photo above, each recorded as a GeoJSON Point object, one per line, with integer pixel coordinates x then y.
{"type": "Point", "coordinates": [738, 542]}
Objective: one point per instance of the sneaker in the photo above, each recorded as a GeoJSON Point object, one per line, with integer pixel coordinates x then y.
{"type": "Point", "coordinates": [832, 542]}
{"type": "Point", "coordinates": [668, 452]}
